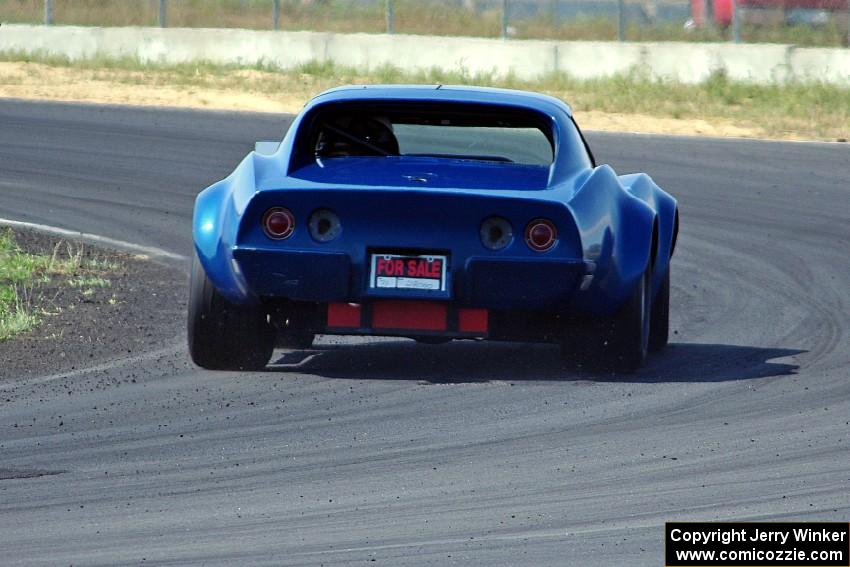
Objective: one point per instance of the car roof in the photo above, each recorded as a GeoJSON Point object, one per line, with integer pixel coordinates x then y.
{"type": "Point", "coordinates": [443, 93]}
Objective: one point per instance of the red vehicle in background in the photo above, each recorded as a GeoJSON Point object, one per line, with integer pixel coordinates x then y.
{"type": "Point", "coordinates": [720, 11]}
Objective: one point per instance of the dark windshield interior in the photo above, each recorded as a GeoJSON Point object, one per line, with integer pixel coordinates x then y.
{"type": "Point", "coordinates": [505, 135]}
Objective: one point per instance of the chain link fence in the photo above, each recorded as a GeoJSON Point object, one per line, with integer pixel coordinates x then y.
{"type": "Point", "coordinates": [800, 22]}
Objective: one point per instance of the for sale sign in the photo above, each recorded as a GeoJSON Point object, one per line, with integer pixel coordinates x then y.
{"type": "Point", "coordinates": [412, 272]}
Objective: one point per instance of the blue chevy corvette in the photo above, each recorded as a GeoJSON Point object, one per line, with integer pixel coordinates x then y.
{"type": "Point", "coordinates": [434, 213]}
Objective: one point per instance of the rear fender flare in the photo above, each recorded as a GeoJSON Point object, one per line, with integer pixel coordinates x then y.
{"type": "Point", "coordinates": [616, 229]}
{"type": "Point", "coordinates": [665, 206]}
{"type": "Point", "coordinates": [215, 225]}
{"type": "Point", "coordinates": [634, 242]}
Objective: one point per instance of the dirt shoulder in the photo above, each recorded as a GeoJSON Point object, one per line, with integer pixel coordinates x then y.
{"type": "Point", "coordinates": [269, 91]}
{"type": "Point", "coordinates": [139, 308]}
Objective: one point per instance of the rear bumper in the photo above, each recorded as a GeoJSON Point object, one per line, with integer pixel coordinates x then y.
{"type": "Point", "coordinates": [414, 318]}
{"type": "Point", "coordinates": [490, 283]}
{"type": "Point", "coordinates": [406, 318]}
{"type": "Point", "coordinates": [301, 276]}
{"type": "Point", "coordinates": [522, 283]}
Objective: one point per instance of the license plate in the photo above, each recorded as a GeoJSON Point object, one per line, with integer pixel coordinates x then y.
{"type": "Point", "coordinates": [424, 272]}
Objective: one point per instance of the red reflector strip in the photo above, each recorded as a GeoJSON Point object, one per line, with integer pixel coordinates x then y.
{"type": "Point", "coordinates": [412, 315]}
{"type": "Point", "coordinates": [345, 315]}
{"type": "Point", "coordinates": [472, 320]}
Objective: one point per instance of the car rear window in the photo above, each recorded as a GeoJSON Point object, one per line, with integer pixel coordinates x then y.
{"type": "Point", "coordinates": [444, 131]}
{"type": "Point", "coordinates": [516, 144]}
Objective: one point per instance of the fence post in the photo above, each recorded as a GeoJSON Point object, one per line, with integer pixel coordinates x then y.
{"type": "Point", "coordinates": [389, 11]}
{"type": "Point", "coordinates": [48, 12]}
{"type": "Point", "coordinates": [736, 22]}
{"type": "Point", "coordinates": [505, 18]}
{"type": "Point", "coordinates": [276, 14]}
{"type": "Point", "coordinates": [707, 18]}
{"type": "Point", "coordinates": [161, 15]}
{"type": "Point", "coordinates": [621, 20]}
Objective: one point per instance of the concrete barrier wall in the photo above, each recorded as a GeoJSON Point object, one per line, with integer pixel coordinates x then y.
{"type": "Point", "coordinates": [526, 59]}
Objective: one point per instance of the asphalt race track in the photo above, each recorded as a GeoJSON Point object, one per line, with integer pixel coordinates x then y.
{"type": "Point", "coordinates": [392, 453]}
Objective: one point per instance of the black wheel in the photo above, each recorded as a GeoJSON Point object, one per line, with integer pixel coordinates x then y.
{"type": "Point", "coordinates": [628, 340]}
{"type": "Point", "coordinates": [617, 343]}
{"type": "Point", "coordinates": [659, 320]}
{"type": "Point", "coordinates": [582, 342]}
{"type": "Point", "coordinates": [224, 336]}
{"type": "Point", "coordinates": [295, 340]}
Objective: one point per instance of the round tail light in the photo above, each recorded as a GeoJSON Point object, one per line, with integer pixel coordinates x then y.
{"type": "Point", "coordinates": [541, 235]}
{"type": "Point", "coordinates": [278, 223]}
{"type": "Point", "coordinates": [324, 225]}
{"type": "Point", "coordinates": [496, 233]}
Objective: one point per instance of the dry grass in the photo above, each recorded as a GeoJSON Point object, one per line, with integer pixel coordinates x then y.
{"type": "Point", "coordinates": [717, 107]}
{"type": "Point", "coordinates": [23, 274]}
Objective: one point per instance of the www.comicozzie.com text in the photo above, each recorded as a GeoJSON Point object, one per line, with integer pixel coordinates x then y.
{"type": "Point", "coordinates": [727, 536]}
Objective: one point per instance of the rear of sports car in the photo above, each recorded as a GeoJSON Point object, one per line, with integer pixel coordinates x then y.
{"type": "Point", "coordinates": [422, 220]}
{"type": "Point", "coordinates": [427, 213]}
{"type": "Point", "coordinates": [412, 262]}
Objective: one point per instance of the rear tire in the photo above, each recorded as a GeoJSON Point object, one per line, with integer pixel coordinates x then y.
{"type": "Point", "coordinates": [628, 341]}
{"type": "Point", "coordinates": [582, 344]}
{"type": "Point", "coordinates": [659, 322]}
{"type": "Point", "coordinates": [223, 335]}
{"type": "Point", "coordinates": [617, 343]}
